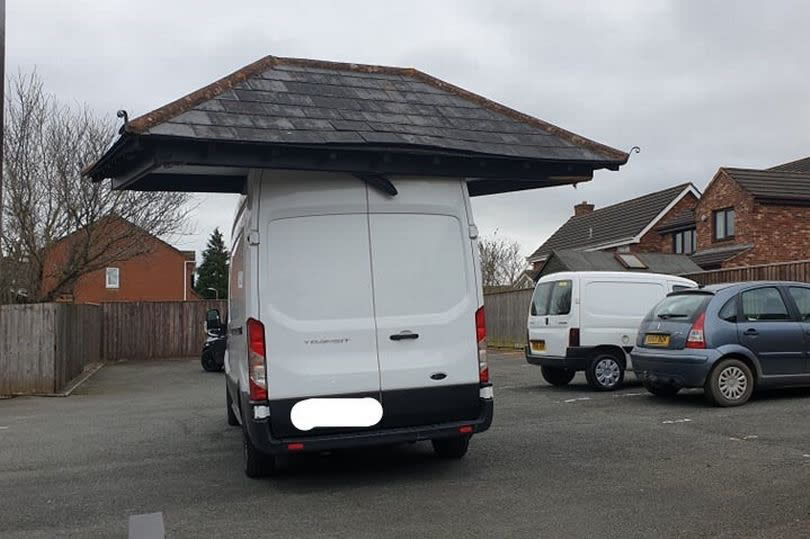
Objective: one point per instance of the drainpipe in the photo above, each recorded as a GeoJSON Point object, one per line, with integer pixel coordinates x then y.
{"type": "Point", "coordinates": [185, 278]}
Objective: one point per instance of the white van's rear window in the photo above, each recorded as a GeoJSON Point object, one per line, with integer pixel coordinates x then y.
{"type": "Point", "coordinates": [319, 267]}
{"type": "Point", "coordinates": [419, 263]}
{"type": "Point", "coordinates": [552, 298]}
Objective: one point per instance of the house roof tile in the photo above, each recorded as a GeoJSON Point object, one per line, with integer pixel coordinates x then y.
{"type": "Point", "coordinates": [777, 184]}
{"type": "Point", "coordinates": [716, 255]}
{"type": "Point", "coordinates": [800, 165]}
{"type": "Point", "coordinates": [573, 260]}
{"type": "Point", "coordinates": [619, 222]}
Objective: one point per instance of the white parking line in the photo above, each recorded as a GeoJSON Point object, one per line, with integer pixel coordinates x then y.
{"type": "Point", "coordinates": [673, 421]}
{"type": "Point", "coordinates": [146, 526]}
{"type": "Point", "coordinates": [578, 399]}
{"type": "Point", "coordinates": [3, 428]}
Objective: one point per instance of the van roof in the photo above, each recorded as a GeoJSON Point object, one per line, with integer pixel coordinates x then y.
{"type": "Point", "coordinates": [621, 275]}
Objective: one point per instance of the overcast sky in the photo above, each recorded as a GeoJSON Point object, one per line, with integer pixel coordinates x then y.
{"type": "Point", "coordinates": [696, 84]}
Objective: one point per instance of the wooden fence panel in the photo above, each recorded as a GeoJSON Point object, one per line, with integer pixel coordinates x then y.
{"type": "Point", "coordinates": [781, 271]}
{"type": "Point", "coordinates": [78, 340]}
{"type": "Point", "coordinates": [145, 330]}
{"type": "Point", "coordinates": [45, 345]}
{"type": "Point", "coordinates": [26, 348]}
{"type": "Point", "coordinates": [506, 316]}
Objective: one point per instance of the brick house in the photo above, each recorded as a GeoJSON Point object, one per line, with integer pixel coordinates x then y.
{"type": "Point", "coordinates": [750, 216]}
{"type": "Point", "coordinates": [659, 222]}
{"type": "Point", "coordinates": [155, 271]}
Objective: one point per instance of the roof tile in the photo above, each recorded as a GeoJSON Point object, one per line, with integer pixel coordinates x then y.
{"type": "Point", "coordinates": [303, 101]}
{"type": "Point", "coordinates": [610, 224]}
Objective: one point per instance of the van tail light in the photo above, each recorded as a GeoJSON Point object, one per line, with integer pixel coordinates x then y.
{"type": "Point", "coordinates": [573, 337]}
{"type": "Point", "coordinates": [696, 336]}
{"type": "Point", "coordinates": [481, 338]}
{"type": "Point", "coordinates": [257, 360]}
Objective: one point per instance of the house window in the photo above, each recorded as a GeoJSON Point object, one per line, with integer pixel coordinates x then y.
{"type": "Point", "coordinates": [724, 224]}
{"type": "Point", "coordinates": [113, 277]}
{"type": "Point", "coordinates": [683, 242]}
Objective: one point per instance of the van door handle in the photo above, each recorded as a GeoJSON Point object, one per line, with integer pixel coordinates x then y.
{"type": "Point", "coordinates": [236, 330]}
{"type": "Point", "coordinates": [751, 332]}
{"type": "Point", "coordinates": [404, 335]}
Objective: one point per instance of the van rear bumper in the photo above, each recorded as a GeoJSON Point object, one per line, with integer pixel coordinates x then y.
{"type": "Point", "coordinates": [575, 359]}
{"type": "Point", "coordinates": [262, 438]}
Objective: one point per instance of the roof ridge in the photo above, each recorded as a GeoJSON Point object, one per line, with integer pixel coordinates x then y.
{"type": "Point", "coordinates": [520, 116]}
{"type": "Point", "coordinates": [174, 108]}
{"type": "Point", "coordinates": [768, 171]}
{"type": "Point", "coordinates": [680, 188]}
{"type": "Point", "coordinates": [784, 166]}
{"type": "Point", "coordinates": [178, 106]}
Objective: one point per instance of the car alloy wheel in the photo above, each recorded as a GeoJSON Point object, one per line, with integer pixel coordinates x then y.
{"type": "Point", "coordinates": [732, 382]}
{"type": "Point", "coordinates": [607, 372]}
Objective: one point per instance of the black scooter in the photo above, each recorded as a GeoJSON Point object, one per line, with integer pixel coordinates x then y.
{"type": "Point", "coordinates": [213, 352]}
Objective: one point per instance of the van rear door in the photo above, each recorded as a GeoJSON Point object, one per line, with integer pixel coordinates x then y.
{"type": "Point", "coordinates": [316, 295]}
{"type": "Point", "coordinates": [551, 317]}
{"type": "Point", "coordinates": [425, 301]}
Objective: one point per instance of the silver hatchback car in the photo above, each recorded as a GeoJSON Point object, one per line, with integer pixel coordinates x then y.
{"type": "Point", "coordinates": [728, 339]}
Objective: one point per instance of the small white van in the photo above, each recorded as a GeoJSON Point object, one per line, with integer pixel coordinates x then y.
{"type": "Point", "coordinates": [355, 316]}
{"type": "Point", "coordinates": [588, 321]}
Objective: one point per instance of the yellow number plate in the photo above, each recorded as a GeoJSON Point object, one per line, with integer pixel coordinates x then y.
{"type": "Point", "coordinates": [538, 346]}
{"type": "Point", "coordinates": [654, 339]}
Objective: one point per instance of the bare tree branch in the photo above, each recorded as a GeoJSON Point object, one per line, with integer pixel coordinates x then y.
{"type": "Point", "coordinates": [46, 199]}
{"type": "Point", "coordinates": [501, 261]}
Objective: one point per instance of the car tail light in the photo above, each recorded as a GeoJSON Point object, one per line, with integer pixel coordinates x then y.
{"type": "Point", "coordinates": [481, 337]}
{"type": "Point", "coordinates": [295, 447]}
{"type": "Point", "coordinates": [257, 361]}
{"type": "Point", "coordinates": [573, 337]}
{"type": "Point", "coordinates": [466, 429]}
{"type": "Point", "coordinates": [696, 337]}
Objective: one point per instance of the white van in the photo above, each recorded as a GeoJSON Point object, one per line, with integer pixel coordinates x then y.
{"type": "Point", "coordinates": [355, 316]}
{"type": "Point", "coordinates": [588, 321]}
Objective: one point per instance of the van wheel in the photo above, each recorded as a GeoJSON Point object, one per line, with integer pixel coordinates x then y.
{"type": "Point", "coordinates": [232, 420]}
{"type": "Point", "coordinates": [605, 372]}
{"type": "Point", "coordinates": [659, 389]}
{"type": "Point", "coordinates": [557, 376]}
{"type": "Point", "coordinates": [257, 464]}
{"type": "Point", "coordinates": [451, 448]}
{"type": "Point", "coordinates": [730, 383]}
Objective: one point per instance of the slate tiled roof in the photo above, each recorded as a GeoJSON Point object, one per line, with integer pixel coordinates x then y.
{"type": "Point", "coordinates": [297, 101]}
{"type": "Point", "coordinates": [619, 222]}
{"type": "Point", "coordinates": [573, 260]}
{"type": "Point", "coordinates": [773, 185]}
{"type": "Point", "coordinates": [708, 258]}
{"type": "Point", "coordinates": [800, 165]}
{"type": "Point", "coordinates": [683, 220]}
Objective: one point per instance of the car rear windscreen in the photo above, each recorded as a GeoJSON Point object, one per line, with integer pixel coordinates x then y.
{"type": "Point", "coordinates": [679, 307]}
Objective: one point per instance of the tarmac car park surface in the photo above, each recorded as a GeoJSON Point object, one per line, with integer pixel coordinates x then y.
{"type": "Point", "coordinates": [150, 437]}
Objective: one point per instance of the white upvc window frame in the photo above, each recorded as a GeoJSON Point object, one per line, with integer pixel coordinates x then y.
{"type": "Point", "coordinates": [112, 277]}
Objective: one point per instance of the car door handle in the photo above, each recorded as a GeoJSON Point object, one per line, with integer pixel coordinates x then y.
{"type": "Point", "coordinates": [751, 332]}
{"type": "Point", "coordinates": [236, 330]}
{"type": "Point", "coordinates": [404, 335]}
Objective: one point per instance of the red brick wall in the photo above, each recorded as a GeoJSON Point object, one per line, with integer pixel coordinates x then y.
{"type": "Point", "coordinates": [778, 233]}
{"type": "Point", "coordinates": [156, 276]}
{"type": "Point", "coordinates": [723, 192]}
{"type": "Point", "coordinates": [655, 242]}
{"type": "Point", "coordinates": [781, 234]}
{"type": "Point", "coordinates": [161, 274]}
